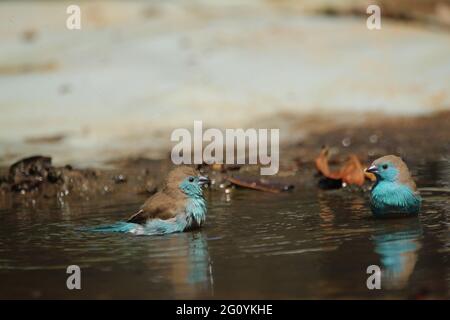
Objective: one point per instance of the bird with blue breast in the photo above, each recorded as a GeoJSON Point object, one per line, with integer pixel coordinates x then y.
{"type": "Point", "coordinates": [394, 193]}
{"type": "Point", "coordinates": [180, 206]}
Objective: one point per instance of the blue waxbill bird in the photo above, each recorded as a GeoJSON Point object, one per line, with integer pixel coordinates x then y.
{"type": "Point", "coordinates": [395, 192]}
{"type": "Point", "coordinates": [179, 206]}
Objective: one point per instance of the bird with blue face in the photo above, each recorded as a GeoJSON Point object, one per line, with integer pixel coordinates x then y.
{"type": "Point", "coordinates": [395, 192]}
{"type": "Point", "coordinates": [179, 206]}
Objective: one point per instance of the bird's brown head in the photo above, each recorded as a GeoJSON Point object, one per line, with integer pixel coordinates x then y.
{"type": "Point", "coordinates": [391, 168]}
{"type": "Point", "coordinates": [187, 180]}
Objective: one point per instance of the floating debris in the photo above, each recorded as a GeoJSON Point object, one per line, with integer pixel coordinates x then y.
{"type": "Point", "coordinates": [260, 184]}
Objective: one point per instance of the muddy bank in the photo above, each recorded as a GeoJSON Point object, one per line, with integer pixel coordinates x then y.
{"type": "Point", "coordinates": [415, 139]}
{"type": "Point", "coordinates": [36, 180]}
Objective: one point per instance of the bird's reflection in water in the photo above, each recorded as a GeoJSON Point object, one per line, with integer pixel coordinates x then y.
{"type": "Point", "coordinates": [186, 267]}
{"type": "Point", "coordinates": [199, 263]}
{"type": "Point", "coordinates": [398, 245]}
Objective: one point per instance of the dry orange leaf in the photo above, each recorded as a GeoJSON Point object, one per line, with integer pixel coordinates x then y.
{"type": "Point", "coordinates": [351, 172]}
{"type": "Point", "coordinates": [370, 176]}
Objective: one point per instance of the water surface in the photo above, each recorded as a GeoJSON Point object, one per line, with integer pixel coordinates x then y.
{"type": "Point", "coordinates": [304, 244]}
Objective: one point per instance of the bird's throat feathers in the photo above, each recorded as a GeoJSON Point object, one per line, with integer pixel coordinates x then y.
{"type": "Point", "coordinates": [196, 210]}
{"type": "Point", "coordinates": [386, 194]}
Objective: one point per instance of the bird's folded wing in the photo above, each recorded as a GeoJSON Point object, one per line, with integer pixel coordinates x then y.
{"type": "Point", "coordinates": [160, 205]}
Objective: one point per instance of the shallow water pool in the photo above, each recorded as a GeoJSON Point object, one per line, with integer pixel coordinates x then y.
{"type": "Point", "coordinates": [303, 244]}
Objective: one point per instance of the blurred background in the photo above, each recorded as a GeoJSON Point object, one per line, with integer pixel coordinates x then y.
{"type": "Point", "coordinates": [106, 98]}
{"type": "Point", "coordinates": [138, 69]}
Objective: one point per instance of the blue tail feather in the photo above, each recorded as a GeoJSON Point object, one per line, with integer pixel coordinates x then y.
{"type": "Point", "coordinates": [152, 227]}
{"type": "Point", "coordinates": [116, 227]}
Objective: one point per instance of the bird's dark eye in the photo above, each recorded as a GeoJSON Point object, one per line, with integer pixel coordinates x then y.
{"type": "Point", "coordinates": [385, 166]}
{"type": "Point", "coordinates": [191, 179]}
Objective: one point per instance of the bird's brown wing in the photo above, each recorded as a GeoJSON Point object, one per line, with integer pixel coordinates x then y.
{"type": "Point", "coordinates": [160, 206]}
